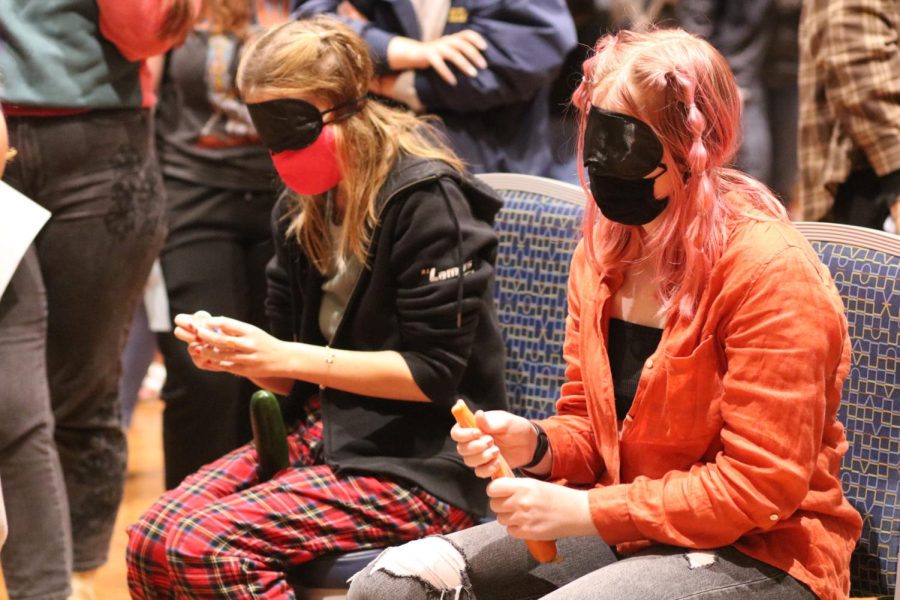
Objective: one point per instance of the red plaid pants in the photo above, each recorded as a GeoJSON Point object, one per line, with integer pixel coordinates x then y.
{"type": "Point", "coordinates": [222, 534]}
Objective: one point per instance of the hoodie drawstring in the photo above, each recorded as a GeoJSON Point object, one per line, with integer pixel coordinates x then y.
{"type": "Point", "coordinates": [459, 254]}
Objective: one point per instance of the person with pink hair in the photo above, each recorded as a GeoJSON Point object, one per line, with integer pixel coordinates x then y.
{"type": "Point", "coordinates": [696, 447]}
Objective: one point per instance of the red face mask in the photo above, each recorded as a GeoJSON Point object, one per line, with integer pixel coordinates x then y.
{"type": "Point", "coordinates": [311, 170]}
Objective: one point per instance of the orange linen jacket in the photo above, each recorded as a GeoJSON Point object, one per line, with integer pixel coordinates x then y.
{"type": "Point", "coordinates": [732, 438]}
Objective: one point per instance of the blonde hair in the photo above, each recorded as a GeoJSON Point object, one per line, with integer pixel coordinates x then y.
{"type": "Point", "coordinates": [323, 59]}
{"type": "Point", "coordinates": [684, 90]}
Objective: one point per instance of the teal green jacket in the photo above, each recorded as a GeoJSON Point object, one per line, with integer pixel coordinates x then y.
{"type": "Point", "coordinates": [78, 53]}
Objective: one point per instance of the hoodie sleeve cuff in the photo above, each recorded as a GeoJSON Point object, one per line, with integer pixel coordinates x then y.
{"type": "Point", "coordinates": [609, 512]}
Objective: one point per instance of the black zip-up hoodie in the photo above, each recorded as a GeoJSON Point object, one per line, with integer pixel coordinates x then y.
{"type": "Point", "coordinates": [432, 224]}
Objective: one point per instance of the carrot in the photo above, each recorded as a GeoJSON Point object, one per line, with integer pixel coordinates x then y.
{"type": "Point", "coordinates": [542, 550]}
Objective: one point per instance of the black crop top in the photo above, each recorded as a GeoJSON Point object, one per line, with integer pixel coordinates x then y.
{"type": "Point", "coordinates": [629, 346]}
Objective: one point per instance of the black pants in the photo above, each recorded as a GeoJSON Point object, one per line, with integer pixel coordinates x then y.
{"type": "Point", "coordinates": [214, 259]}
{"type": "Point", "coordinates": [858, 201]}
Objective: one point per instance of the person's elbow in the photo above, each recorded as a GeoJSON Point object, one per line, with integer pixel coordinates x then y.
{"type": "Point", "coordinates": [436, 371]}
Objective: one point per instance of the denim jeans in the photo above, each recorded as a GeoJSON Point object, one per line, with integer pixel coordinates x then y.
{"type": "Point", "coordinates": [37, 557]}
{"type": "Point", "coordinates": [96, 172]}
{"type": "Point", "coordinates": [496, 567]}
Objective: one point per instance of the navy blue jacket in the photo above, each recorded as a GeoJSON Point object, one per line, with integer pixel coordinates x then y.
{"type": "Point", "coordinates": [498, 120]}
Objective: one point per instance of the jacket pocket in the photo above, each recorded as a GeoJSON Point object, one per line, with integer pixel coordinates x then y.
{"type": "Point", "coordinates": [693, 386]}
{"type": "Point", "coordinates": [679, 405]}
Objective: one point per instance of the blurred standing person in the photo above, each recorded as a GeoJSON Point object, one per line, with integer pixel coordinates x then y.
{"type": "Point", "coordinates": [37, 560]}
{"type": "Point", "coordinates": [29, 464]}
{"type": "Point", "coordinates": [220, 185]}
{"type": "Point", "coordinates": [77, 106]}
{"type": "Point", "coordinates": [484, 67]}
{"type": "Point", "coordinates": [782, 108]}
{"type": "Point", "coordinates": [741, 31]}
{"type": "Point", "coordinates": [592, 19]}
{"type": "Point", "coordinates": [850, 112]}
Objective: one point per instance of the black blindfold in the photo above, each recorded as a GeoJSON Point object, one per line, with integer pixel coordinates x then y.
{"type": "Point", "coordinates": [293, 124]}
{"type": "Point", "coordinates": [620, 145]}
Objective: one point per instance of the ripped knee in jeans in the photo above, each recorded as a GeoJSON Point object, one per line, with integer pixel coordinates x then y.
{"type": "Point", "coordinates": [435, 562]}
{"type": "Point", "coordinates": [698, 559]}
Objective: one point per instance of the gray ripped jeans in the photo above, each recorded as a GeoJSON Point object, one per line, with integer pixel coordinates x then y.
{"type": "Point", "coordinates": [485, 563]}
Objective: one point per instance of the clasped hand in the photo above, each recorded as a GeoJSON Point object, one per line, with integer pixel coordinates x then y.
{"type": "Point", "coordinates": [223, 344]}
{"type": "Point", "coordinates": [463, 49]}
{"type": "Point", "coordinates": [528, 508]}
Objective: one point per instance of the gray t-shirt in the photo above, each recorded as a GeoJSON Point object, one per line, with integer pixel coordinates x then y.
{"type": "Point", "coordinates": [339, 282]}
{"type": "Point", "coordinates": [204, 130]}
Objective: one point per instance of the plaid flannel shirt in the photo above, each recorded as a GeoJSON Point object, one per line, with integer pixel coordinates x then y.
{"type": "Point", "coordinates": [849, 95]}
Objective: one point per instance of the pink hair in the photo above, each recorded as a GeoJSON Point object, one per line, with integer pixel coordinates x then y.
{"type": "Point", "coordinates": [684, 90]}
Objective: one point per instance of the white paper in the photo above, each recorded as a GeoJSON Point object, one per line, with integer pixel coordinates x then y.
{"type": "Point", "coordinates": [20, 221]}
{"type": "Point", "coordinates": [156, 300]}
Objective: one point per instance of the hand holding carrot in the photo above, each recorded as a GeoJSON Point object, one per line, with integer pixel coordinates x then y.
{"type": "Point", "coordinates": [542, 550]}
{"type": "Point", "coordinates": [490, 434]}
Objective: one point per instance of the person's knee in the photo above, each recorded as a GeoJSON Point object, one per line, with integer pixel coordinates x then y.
{"type": "Point", "coordinates": [430, 568]}
{"type": "Point", "coordinates": [149, 537]}
{"type": "Point", "coordinates": [187, 544]}
{"type": "Point", "coordinates": [207, 537]}
{"type": "Point", "coordinates": [145, 539]}
{"type": "Point", "coordinates": [145, 551]}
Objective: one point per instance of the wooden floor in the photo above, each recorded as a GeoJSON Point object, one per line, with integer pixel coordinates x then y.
{"type": "Point", "coordinates": [143, 485]}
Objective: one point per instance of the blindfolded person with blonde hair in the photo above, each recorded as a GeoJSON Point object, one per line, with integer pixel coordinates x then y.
{"type": "Point", "coordinates": [695, 451]}
{"type": "Point", "coordinates": [380, 300]}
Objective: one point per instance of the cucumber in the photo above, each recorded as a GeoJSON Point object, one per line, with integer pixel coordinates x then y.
{"type": "Point", "coordinates": [269, 434]}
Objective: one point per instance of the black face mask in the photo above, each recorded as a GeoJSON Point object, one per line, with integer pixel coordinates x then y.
{"type": "Point", "coordinates": [293, 124]}
{"type": "Point", "coordinates": [619, 152]}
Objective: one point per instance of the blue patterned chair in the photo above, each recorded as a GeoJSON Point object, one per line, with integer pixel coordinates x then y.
{"type": "Point", "coordinates": [538, 228]}
{"type": "Point", "coordinates": [865, 265]}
